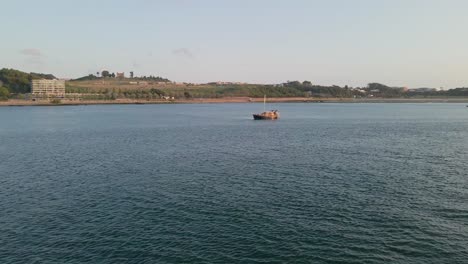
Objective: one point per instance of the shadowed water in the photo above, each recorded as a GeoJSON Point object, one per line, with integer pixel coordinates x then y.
{"type": "Point", "coordinates": [327, 183]}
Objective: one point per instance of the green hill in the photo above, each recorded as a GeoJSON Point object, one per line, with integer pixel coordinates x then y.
{"type": "Point", "coordinates": [19, 82]}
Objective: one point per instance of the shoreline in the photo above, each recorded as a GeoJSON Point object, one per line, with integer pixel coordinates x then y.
{"type": "Point", "coordinates": [64, 102]}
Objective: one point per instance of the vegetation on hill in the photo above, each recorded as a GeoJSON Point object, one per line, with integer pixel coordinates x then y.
{"type": "Point", "coordinates": [87, 78]}
{"type": "Point", "coordinates": [114, 88]}
{"type": "Point", "coordinates": [457, 92]}
{"type": "Point", "coordinates": [105, 75]}
{"type": "Point", "coordinates": [152, 78]}
{"type": "Point", "coordinates": [19, 82]}
{"type": "Point", "coordinates": [46, 76]}
{"type": "Point", "coordinates": [155, 87]}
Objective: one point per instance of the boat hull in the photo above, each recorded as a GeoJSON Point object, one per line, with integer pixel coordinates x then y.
{"type": "Point", "coordinates": [264, 117]}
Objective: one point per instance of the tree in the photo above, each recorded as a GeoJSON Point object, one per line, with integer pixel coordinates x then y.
{"type": "Point", "coordinates": [187, 95]}
{"type": "Point", "coordinates": [377, 86]}
{"type": "Point", "coordinates": [384, 90]}
{"type": "Point", "coordinates": [292, 84]}
{"type": "Point", "coordinates": [4, 93]}
{"type": "Point", "coordinates": [158, 92]}
{"type": "Point", "coordinates": [112, 75]}
{"type": "Point", "coordinates": [105, 73]}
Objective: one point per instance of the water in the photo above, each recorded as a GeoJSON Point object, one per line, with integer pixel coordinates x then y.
{"type": "Point", "coordinates": [327, 183]}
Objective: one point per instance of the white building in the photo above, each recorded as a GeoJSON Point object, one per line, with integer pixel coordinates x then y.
{"type": "Point", "coordinates": [43, 87]}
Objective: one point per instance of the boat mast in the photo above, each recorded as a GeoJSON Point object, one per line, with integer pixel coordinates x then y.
{"type": "Point", "coordinates": [264, 103]}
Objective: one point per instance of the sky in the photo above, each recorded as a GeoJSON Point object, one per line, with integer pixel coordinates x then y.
{"type": "Point", "coordinates": [410, 43]}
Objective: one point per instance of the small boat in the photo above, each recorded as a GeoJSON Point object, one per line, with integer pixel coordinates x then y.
{"type": "Point", "coordinates": [266, 115]}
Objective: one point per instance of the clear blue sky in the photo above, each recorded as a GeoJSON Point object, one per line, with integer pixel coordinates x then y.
{"type": "Point", "coordinates": [414, 43]}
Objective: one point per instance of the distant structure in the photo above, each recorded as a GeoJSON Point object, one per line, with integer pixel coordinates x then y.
{"type": "Point", "coordinates": [423, 90]}
{"type": "Point", "coordinates": [121, 75]}
{"type": "Point", "coordinates": [48, 88]}
{"type": "Point", "coordinates": [226, 83]}
{"type": "Point", "coordinates": [131, 74]}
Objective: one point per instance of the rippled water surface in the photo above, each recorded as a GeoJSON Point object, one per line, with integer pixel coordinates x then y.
{"type": "Point", "coordinates": [327, 183]}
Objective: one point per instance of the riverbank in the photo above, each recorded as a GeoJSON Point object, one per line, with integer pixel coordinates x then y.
{"type": "Point", "coordinates": [17, 102]}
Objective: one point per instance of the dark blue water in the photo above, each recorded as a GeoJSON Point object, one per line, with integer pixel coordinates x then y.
{"type": "Point", "coordinates": [327, 183]}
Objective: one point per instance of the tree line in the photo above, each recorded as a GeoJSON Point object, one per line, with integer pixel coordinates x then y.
{"type": "Point", "coordinates": [107, 75]}
{"type": "Point", "coordinates": [288, 89]}
{"type": "Point", "coordinates": [14, 82]}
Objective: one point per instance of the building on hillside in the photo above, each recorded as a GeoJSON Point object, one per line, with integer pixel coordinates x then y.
{"type": "Point", "coordinates": [360, 90]}
{"type": "Point", "coordinates": [48, 88]}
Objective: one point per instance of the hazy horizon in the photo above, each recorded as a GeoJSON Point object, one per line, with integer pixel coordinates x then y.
{"type": "Point", "coordinates": [399, 43]}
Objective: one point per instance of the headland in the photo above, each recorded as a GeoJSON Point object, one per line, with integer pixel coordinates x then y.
{"type": "Point", "coordinates": [19, 88]}
{"type": "Point", "coordinates": [64, 102]}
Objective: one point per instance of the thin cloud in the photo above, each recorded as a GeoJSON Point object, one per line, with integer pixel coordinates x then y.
{"type": "Point", "coordinates": [35, 61]}
{"type": "Point", "coordinates": [31, 52]}
{"type": "Point", "coordinates": [33, 57]}
{"type": "Point", "coordinates": [183, 52]}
